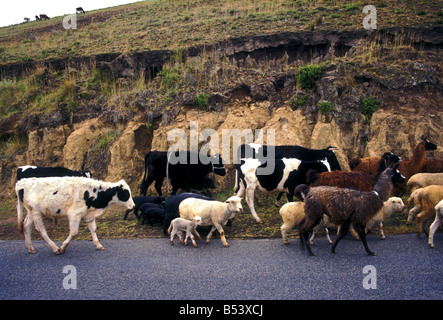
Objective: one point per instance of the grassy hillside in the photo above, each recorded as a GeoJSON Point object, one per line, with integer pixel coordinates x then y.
{"type": "Point", "coordinates": [342, 87]}
{"type": "Point", "coordinates": [173, 24]}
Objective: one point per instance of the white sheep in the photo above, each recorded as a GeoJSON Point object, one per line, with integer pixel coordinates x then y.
{"type": "Point", "coordinates": [421, 180]}
{"type": "Point", "coordinates": [180, 226]}
{"type": "Point", "coordinates": [436, 223]}
{"type": "Point", "coordinates": [212, 213]}
{"type": "Point", "coordinates": [292, 214]}
{"type": "Point", "coordinates": [425, 200]}
{"type": "Point", "coordinates": [390, 206]}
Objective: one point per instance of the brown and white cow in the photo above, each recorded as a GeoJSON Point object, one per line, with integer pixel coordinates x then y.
{"type": "Point", "coordinates": [73, 197]}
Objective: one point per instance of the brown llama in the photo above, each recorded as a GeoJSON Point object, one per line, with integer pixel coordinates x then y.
{"type": "Point", "coordinates": [355, 180]}
{"type": "Point", "coordinates": [345, 207]}
{"type": "Point", "coordinates": [407, 167]}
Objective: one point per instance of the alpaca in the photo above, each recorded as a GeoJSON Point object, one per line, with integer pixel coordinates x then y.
{"type": "Point", "coordinates": [355, 180]}
{"type": "Point", "coordinates": [407, 168]}
{"type": "Point", "coordinates": [345, 206]}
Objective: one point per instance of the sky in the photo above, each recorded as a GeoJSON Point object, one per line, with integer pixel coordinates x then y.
{"type": "Point", "coordinates": [14, 11]}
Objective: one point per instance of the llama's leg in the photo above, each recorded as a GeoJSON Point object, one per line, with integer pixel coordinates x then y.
{"type": "Point", "coordinates": [343, 231]}
{"type": "Point", "coordinates": [361, 232]}
{"type": "Point", "coordinates": [306, 232]}
{"type": "Point", "coordinates": [327, 236]}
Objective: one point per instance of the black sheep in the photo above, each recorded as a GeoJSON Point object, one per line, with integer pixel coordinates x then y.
{"type": "Point", "coordinates": [152, 211]}
{"type": "Point", "coordinates": [141, 200]}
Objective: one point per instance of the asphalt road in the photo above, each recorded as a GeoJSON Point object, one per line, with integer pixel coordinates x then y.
{"type": "Point", "coordinates": [404, 268]}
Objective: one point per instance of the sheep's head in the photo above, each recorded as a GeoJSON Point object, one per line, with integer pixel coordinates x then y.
{"type": "Point", "coordinates": [198, 220]}
{"type": "Point", "coordinates": [396, 205]}
{"type": "Point", "coordinates": [234, 204]}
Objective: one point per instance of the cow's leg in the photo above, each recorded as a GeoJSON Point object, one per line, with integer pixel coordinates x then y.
{"type": "Point", "coordinates": [92, 228]}
{"type": "Point", "coordinates": [38, 222]}
{"type": "Point", "coordinates": [158, 185]}
{"type": "Point", "coordinates": [27, 225]}
{"type": "Point", "coordinates": [74, 223]}
{"type": "Point", "coordinates": [250, 201]}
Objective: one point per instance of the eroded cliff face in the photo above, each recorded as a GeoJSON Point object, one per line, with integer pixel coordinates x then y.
{"type": "Point", "coordinates": [410, 94]}
{"type": "Point", "coordinates": [396, 129]}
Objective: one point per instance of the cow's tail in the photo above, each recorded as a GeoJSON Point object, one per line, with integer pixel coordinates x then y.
{"type": "Point", "coordinates": [20, 218]}
{"type": "Point", "coordinates": [143, 187]}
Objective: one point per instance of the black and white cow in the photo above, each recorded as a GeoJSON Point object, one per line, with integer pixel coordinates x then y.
{"type": "Point", "coordinates": [263, 152]}
{"type": "Point", "coordinates": [184, 176]}
{"type": "Point", "coordinates": [41, 172]}
{"type": "Point", "coordinates": [76, 198]}
{"type": "Point", "coordinates": [287, 174]}
{"type": "Point", "coordinates": [258, 151]}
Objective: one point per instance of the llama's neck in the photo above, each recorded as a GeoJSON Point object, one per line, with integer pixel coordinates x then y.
{"type": "Point", "coordinates": [418, 157]}
{"type": "Point", "coordinates": [383, 187]}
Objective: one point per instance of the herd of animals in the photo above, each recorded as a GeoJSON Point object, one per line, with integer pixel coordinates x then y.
{"type": "Point", "coordinates": [354, 201]}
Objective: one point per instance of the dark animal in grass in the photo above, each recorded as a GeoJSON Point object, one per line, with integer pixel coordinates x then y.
{"type": "Point", "coordinates": [152, 211]}
{"type": "Point", "coordinates": [345, 207]}
{"type": "Point", "coordinates": [141, 200]}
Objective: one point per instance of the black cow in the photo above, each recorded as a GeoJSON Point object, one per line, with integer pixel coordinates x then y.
{"type": "Point", "coordinates": [184, 176]}
{"type": "Point", "coordinates": [172, 204]}
{"type": "Point", "coordinates": [42, 172]}
{"type": "Point", "coordinates": [152, 211]}
{"type": "Point", "coordinates": [139, 201]}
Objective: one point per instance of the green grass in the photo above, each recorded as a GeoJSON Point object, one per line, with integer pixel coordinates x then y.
{"type": "Point", "coordinates": [174, 24]}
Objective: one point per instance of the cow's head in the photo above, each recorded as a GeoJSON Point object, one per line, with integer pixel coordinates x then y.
{"type": "Point", "coordinates": [124, 195]}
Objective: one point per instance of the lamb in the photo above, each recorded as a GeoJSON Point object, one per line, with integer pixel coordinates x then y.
{"type": "Point", "coordinates": [390, 206]}
{"type": "Point", "coordinates": [212, 213]}
{"type": "Point", "coordinates": [425, 200]}
{"type": "Point", "coordinates": [345, 207]}
{"type": "Point", "coordinates": [292, 214]}
{"type": "Point", "coordinates": [421, 180]}
{"type": "Point", "coordinates": [437, 222]}
{"type": "Point", "coordinates": [180, 226]}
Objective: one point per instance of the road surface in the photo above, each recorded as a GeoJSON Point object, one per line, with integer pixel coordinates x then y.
{"type": "Point", "coordinates": [262, 269]}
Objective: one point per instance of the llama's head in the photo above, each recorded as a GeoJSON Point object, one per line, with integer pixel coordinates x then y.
{"type": "Point", "coordinates": [394, 174]}
{"type": "Point", "coordinates": [428, 145]}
